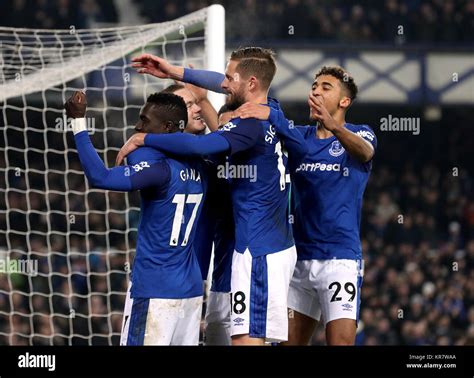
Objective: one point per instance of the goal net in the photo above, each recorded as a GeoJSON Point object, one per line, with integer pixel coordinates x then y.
{"type": "Point", "coordinates": [65, 248]}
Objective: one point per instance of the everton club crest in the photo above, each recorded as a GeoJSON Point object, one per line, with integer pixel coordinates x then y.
{"type": "Point", "coordinates": [336, 149]}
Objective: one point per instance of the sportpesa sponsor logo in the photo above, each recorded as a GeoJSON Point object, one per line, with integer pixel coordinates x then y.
{"type": "Point", "coordinates": [311, 167]}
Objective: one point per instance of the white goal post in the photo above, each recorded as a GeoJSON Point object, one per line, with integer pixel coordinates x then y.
{"type": "Point", "coordinates": [65, 248]}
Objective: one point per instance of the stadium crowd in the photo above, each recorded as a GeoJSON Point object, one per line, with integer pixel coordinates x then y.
{"type": "Point", "coordinates": [433, 21]}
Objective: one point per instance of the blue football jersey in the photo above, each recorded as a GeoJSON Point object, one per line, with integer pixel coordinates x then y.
{"type": "Point", "coordinates": [165, 265]}
{"type": "Point", "coordinates": [327, 190]}
{"type": "Point", "coordinates": [256, 172]}
{"type": "Point", "coordinates": [203, 239]}
{"type": "Point", "coordinates": [216, 229]}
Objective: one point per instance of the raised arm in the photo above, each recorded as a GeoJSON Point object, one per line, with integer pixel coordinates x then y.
{"type": "Point", "coordinates": [161, 68]}
{"type": "Point", "coordinates": [205, 79]}
{"type": "Point", "coordinates": [125, 178]}
{"type": "Point", "coordinates": [356, 146]}
{"type": "Point", "coordinates": [207, 110]}
{"type": "Point", "coordinates": [209, 114]}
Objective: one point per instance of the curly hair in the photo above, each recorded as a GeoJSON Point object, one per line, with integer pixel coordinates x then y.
{"type": "Point", "coordinates": [343, 76]}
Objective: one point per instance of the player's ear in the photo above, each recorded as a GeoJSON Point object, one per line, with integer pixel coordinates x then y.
{"type": "Point", "coordinates": [169, 126]}
{"type": "Point", "coordinates": [253, 83]}
{"type": "Point", "coordinates": [345, 102]}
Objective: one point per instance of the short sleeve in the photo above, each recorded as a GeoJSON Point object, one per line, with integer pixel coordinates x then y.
{"type": "Point", "coordinates": [366, 133]}
{"type": "Point", "coordinates": [144, 175]}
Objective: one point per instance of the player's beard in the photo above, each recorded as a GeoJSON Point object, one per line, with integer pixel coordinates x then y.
{"type": "Point", "coordinates": [234, 101]}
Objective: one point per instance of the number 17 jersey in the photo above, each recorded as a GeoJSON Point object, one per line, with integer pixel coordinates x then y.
{"type": "Point", "coordinates": [165, 264]}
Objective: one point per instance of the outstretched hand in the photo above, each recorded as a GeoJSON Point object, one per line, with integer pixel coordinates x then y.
{"type": "Point", "coordinates": [76, 105]}
{"type": "Point", "coordinates": [135, 141]}
{"type": "Point", "coordinates": [156, 66]}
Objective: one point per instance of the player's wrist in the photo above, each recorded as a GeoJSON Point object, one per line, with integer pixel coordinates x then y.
{"type": "Point", "coordinates": [142, 140]}
{"type": "Point", "coordinates": [335, 128]}
{"type": "Point", "coordinates": [78, 125]}
{"type": "Point", "coordinates": [176, 73]}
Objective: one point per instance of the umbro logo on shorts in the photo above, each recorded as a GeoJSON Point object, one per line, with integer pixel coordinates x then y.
{"type": "Point", "coordinates": [347, 307]}
{"type": "Point", "coordinates": [239, 321]}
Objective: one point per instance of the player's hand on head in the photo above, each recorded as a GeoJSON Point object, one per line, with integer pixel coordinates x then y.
{"type": "Point", "coordinates": [76, 105]}
{"type": "Point", "coordinates": [250, 110]}
{"type": "Point", "coordinates": [132, 144]}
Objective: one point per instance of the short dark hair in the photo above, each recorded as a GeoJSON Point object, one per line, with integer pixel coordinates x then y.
{"type": "Point", "coordinates": [256, 61]}
{"type": "Point", "coordinates": [172, 107]}
{"type": "Point", "coordinates": [224, 109]}
{"type": "Point", "coordinates": [346, 80]}
{"type": "Point", "coordinates": [173, 88]}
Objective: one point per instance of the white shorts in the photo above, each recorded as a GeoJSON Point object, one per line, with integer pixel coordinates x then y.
{"type": "Point", "coordinates": [327, 289]}
{"type": "Point", "coordinates": [157, 321]}
{"type": "Point", "coordinates": [217, 319]}
{"type": "Point", "coordinates": [126, 316]}
{"type": "Point", "coordinates": [259, 294]}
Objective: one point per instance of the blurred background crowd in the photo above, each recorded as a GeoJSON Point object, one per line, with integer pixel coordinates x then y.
{"type": "Point", "coordinates": [418, 216]}
{"type": "Point", "coordinates": [436, 21]}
